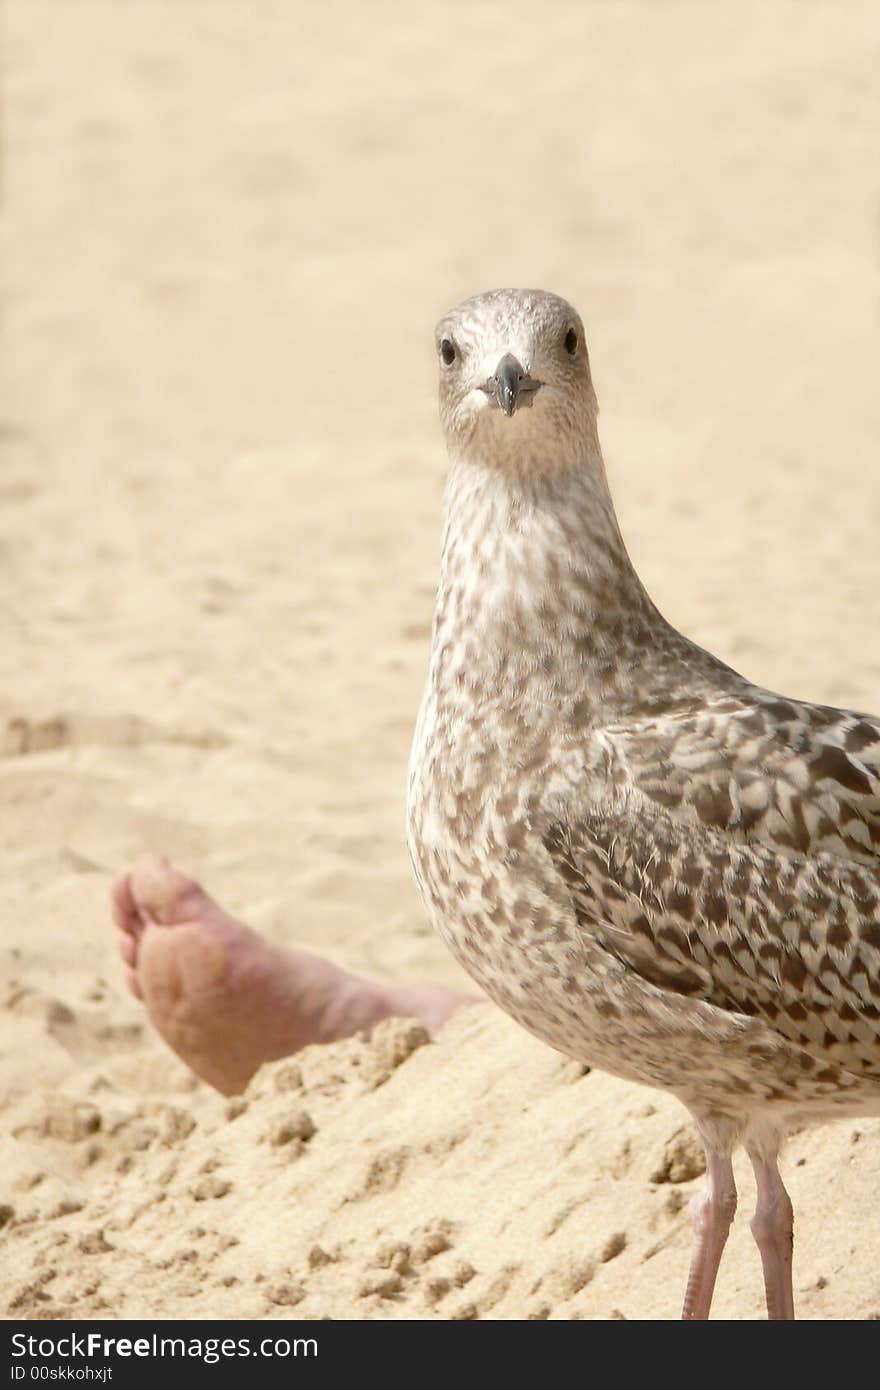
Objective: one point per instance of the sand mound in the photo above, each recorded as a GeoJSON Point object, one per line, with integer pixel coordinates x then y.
{"type": "Point", "coordinates": [391, 1177]}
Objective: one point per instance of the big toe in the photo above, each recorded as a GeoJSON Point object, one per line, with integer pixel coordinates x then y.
{"type": "Point", "coordinates": [163, 895]}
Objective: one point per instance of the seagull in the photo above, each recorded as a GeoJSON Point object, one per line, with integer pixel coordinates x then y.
{"type": "Point", "coordinates": [652, 864]}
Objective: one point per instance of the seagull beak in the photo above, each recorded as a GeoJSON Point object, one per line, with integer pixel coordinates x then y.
{"type": "Point", "coordinates": [508, 376]}
{"type": "Point", "coordinates": [511, 385]}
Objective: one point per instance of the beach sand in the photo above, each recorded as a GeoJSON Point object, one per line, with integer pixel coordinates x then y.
{"type": "Point", "coordinates": [229, 230]}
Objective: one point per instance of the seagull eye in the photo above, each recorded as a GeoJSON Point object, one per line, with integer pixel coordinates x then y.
{"type": "Point", "coordinates": [448, 351]}
{"type": "Point", "coordinates": [571, 342]}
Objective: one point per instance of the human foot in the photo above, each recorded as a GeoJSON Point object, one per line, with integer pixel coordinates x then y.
{"type": "Point", "coordinates": [224, 998]}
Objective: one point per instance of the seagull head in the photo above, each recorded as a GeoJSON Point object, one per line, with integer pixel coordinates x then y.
{"type": "Point", "coordinates": [515, 385]}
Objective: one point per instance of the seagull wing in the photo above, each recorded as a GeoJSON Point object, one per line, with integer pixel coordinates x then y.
{"type": "Point", "coordinates": [800, 778]}
{"type": "Point", "coordinates": [737, 861]}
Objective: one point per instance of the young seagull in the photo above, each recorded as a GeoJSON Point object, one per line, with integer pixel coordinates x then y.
{"type": "Point", "coordinates": [653, 865]}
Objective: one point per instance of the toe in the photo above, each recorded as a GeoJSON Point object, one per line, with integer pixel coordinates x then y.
{"type": "Point", "coordinates": [162, 894]}
{"type": "Point", "coordinates": [125, 912]}
{"type": "Point", "coordinates": [134, 984]}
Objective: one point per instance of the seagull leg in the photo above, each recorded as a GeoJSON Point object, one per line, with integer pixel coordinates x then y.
{"type": "Point", "coordinates": [712, 1211]}
{"type": "Point", "coordinates": [773, 1229]}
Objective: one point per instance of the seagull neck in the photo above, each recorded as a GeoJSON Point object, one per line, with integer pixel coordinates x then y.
{"type": "Point", "coordinates": [535, 577]}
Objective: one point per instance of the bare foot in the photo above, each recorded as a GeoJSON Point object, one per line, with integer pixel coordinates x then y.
{"type": "Point", "coordinates": [224, 998]}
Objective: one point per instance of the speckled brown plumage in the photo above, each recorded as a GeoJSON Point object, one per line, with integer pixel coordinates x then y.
{"type": "Point", "coordinates": [652, 864]}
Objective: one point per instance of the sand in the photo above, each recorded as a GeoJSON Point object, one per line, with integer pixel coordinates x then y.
{"type": "Point", "coordinates": [229, 230]}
